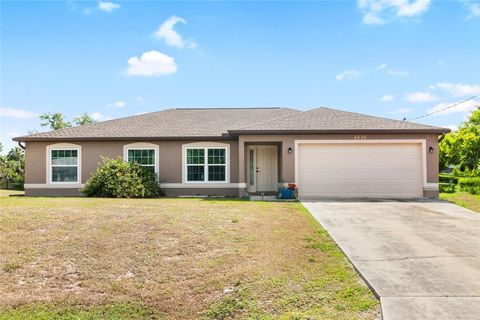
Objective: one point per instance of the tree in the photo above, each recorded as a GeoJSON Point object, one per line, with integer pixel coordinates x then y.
{"type": "Point", "coordinates": [12, 169]}
{"type": "Point", "coordinates": [84, 119]}
{"type": "Point", "coordinates": [54, 120]}
{"type": "Point", "coordinates": [461, 148]}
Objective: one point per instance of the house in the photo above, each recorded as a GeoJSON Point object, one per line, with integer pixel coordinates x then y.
{"type": "Point", "coordinates": [234, 151]}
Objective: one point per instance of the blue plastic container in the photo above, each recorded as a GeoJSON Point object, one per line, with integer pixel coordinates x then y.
{"type": "Point", "coordinates": [286, 194]}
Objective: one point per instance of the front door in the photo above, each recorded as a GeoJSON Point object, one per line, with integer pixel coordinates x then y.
{"type": "Point", "coordinates": [263, 168]}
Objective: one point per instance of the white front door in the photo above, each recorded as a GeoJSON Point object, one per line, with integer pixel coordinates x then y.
{"type": "Point", "coordinates": [265, 168]}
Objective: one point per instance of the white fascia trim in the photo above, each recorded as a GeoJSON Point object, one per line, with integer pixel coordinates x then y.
{"type": "Point", "coordinates": [197, 184]}
{"type": "Point", "coordinates": [431, 186]}
{"type": "Point", "coordinates": [53, 185]}
{"type": "Point", "coordinates": [203, 185]}
{"type": "Point", "coordinates": [63, 146]}
{"type": "Point", "coordinates": [143, 146]}
{"type": "Point", "coordinates": [422, 142]}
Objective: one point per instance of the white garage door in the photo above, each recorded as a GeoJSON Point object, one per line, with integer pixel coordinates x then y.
{"type": "Point", "coordinates": [354, 170]}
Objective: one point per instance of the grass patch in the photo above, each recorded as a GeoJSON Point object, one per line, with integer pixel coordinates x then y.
{"type": "Point", "coordinates": [10, 266]}
{"type": "Point", "coordinates": [7, 193]}
{"type": "Point", "coordinates": [463, 199]}
{"type": "Point", "coordinates": [177, 258]}
{"type": "Point", "coordinates": [104, 312]}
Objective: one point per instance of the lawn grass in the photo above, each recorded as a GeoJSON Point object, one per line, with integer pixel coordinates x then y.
{"type": "Point", "coordinates": [84, 258]}
{"type": "Point", "coordinates": [7, 193]}
{"type": "Point", "coordinates": [463, 199]}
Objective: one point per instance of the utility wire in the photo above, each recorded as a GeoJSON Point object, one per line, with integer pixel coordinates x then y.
{"type": "Point", "coordinates": [446, 108]}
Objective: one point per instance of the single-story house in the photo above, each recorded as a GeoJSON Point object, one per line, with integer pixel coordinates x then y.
{"type": "Point", "coordinates": [234, 151]}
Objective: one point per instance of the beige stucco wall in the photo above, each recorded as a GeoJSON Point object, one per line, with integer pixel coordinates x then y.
{"type": "Point", "coordinates": [287, 172]}
{"type": "Point", "coordinates": [170, 159]}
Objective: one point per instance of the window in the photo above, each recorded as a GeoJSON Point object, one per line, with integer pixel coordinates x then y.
{"type": "Point", "coordinates": [144, 157]}
{"type": "Point", "coordinates": [206, 164]}
{"type": "Point", "coordinates": [64, 165]}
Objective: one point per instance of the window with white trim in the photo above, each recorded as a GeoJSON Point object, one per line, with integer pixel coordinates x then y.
{"type": "Point", "coordinates": [64, 165]}
{"type": "Point", "coordinates": [206, 164]}
{"type": "Point", "coordinates": [144, 157]}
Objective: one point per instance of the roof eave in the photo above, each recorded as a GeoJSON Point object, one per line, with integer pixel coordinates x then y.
{"type": "Point", "coordinates": [340, 131]}
{"type": "Point", "coordinates": [47, 139]}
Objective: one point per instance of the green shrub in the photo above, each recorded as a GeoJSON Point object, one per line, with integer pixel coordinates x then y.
{"type": "Point", "coordinates": [446, 187]}
{"type": "Point", "coordinates": [466, 173]}
{"type": "Point", "coordinates": [448, 179]}
{"type": "Point", "coordinates": [119, 179]}
{"type": "Point", "coordinates": [471, 185]}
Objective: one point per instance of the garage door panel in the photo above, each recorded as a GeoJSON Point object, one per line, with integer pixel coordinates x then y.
{"type": "Point", "coordinates": [361, 162]}
{"type": "Point", "coordinates": [400, 192]}
{"type": "Point", "coordinates": [360, 170]}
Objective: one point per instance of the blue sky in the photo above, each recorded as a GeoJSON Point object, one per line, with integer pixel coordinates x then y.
{"type": "Point", "coordinates": [112, 59]}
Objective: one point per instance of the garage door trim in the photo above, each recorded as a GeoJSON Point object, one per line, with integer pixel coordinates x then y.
{"type": "Point", "coordinates": [422, 142]}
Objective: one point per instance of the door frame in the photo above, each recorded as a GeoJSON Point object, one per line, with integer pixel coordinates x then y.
{"type": "Point", "coordinates": [252, 187]}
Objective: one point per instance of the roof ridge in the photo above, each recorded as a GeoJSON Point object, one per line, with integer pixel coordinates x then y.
{"type": "Point", "coordinates": [279, 118]}
{"type": "Point", "coordinates": [287, 116]}
{"type": "Point", "coordinates": [232, 108]}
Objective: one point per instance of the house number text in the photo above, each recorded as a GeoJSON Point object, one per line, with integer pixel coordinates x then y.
{"type": "Point", "coordinates": [360, 137]}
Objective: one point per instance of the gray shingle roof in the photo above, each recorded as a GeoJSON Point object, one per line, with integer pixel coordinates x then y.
{"type": "Point", "coordinates": [221, 122]}
{"type": "Point", "coordinates": [171, 123]}
{"type": "Point", "coordinates": [332, 120]}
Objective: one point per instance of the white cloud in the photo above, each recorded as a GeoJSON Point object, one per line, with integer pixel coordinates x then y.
{"type": "Point", "coordinates": [387, 98]}
{"type": "Point", "coordinates": [391, 71]}
{"type": "Point", "coordinates": [458, 89]}
{"type": "Point", "coordinates": [420, 97]}
{"type": "Point", "coordinates": [16, 113]}
{"type": "Point", "coordinates": [377, 12]}
{"type": "Point", "coordinates": [173, 38]}
{"type": "Point", "coordinates": [108, 6]}
{"type": "Point", "coordinates": [13, 134]}
{"type": "Point", "coordinates": [402, 110]}
{"type": "Point", "coordinates": [467, 107]}
{"type": "Point", "coordinates": [151, 63]}
{"type": "Point", "coordinates": [99, 117]}
{"type": "Point", "coordinates": [117, 104]}
{"type": "Point", "coordinates": [372, 18]}
{"type": "Point", "coordinates": [348, 75]}
{"type": "Point", "coordinates": [397, 72]}
{"type": "Point", "coordinates": [474, 10]}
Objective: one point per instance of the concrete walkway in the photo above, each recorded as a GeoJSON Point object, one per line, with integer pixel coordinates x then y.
{"type": "Point", "coordinates": [421, 258]}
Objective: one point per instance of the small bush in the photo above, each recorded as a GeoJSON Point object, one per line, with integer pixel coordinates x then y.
{"type": "Point", "coordinates": [466, 173]}
{"type": "Point", "coordinates": [448, 179]}
{"type": "Point", "coordinates": [119, 179]}
{"type": "Point", "coordinates": [471, 185]}
{"type": "Point", "coordinates": [446, 187]}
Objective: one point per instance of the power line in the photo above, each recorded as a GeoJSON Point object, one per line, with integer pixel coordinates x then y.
{"type": "Point", "coordinates": [446, 108]}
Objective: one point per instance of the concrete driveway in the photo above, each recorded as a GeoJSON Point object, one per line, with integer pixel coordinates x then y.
{"type": "Point", "coordinates": [421, 258]}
